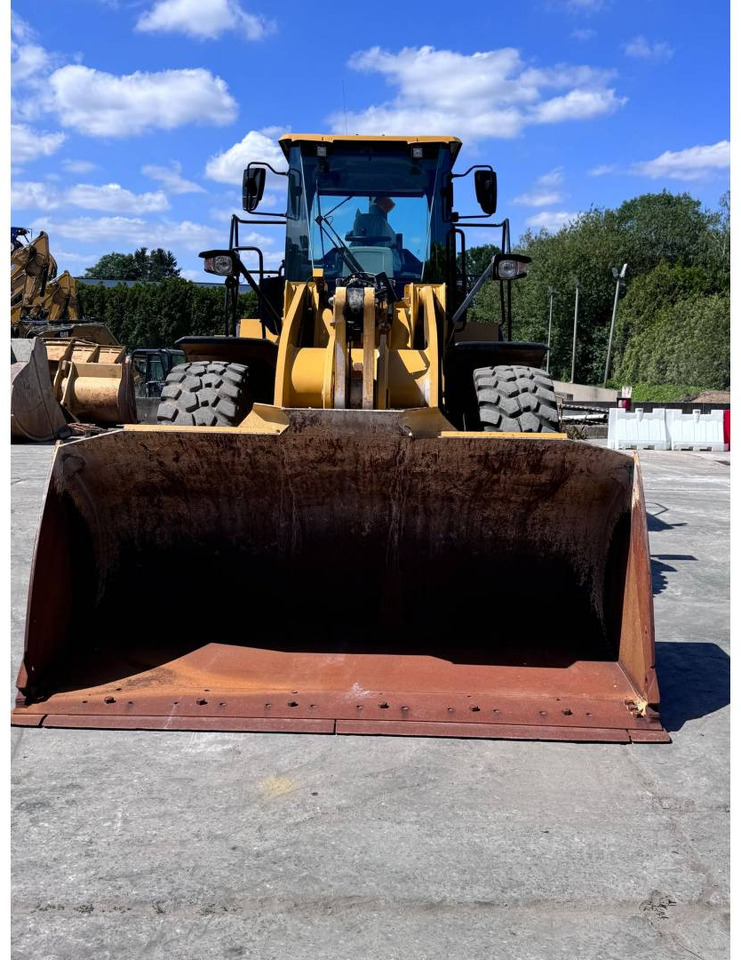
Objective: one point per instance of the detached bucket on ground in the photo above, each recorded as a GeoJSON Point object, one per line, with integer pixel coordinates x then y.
{"type": "Point", "coordinates": [343, 576]}
{"type": "Point", "coordinates": [35, 414]}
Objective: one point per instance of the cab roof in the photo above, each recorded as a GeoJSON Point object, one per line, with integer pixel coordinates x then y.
{"type": "Point", "coordinates": [290, 138]}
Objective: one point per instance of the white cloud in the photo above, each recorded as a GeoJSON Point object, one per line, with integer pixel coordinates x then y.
{"type": "Point", "coordinates": [551, 220]}
{"type": "Point", "coordinates": [589, 6]}
{"type": "Point", "coordinates": [130, 233]}
{"type": "Point", "coordinates": [545, 192]}
{"type": "Point", "coordinates": [112, 196]}
{"type": "Point", "coordinates": [28, 59]}
{"type": "Point", "coordinates": [133, 232]}
{"type": "Point", "coordinates": [489, 94]}
{"type": "Point", "coordinates": [77, 166]}
{"type": "Point", "coordinates": [105, 105]}
{"type": "Point", "coordinates": [551, 179]}
{"type": "Point", "coordinates": [203, 19]}
{"type": "Point", "coordinates": [583, 35]}
{"type": "Point", "coordinates": [32, 195]}
{"type": "Point", "coordinates": [171, 178]}
{"type": "Point", "coordinates": [641, 48]}
{"type": "Point", "coordinates": [20, 29]}
{"type": "Point", "coordinates": [101, 104]}
{"type": "Point", "coordinates": [602, 169]}
{"type": "Point", "coordinates": [223, 215]}
{"type": "Point", "coordinates": [228, 167]}
{"type": "Point", "coordinates": [694, 163]}
{"type": "Point", "coordinates": [67, 256]}
{"type": "Point", "coordinates": [536, 199]}
{"type": "Point", "coordinates": [579, 105]}
{"type": "Point", "coordinates": [30, 65]}
{"type": "Point", "coordinates": [28, 144]}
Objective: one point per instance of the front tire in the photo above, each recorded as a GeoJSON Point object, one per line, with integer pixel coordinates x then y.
{"type": "Point", "coordinates": [516, 399]}
{"type": "Point", "coordinates": [206, 394]}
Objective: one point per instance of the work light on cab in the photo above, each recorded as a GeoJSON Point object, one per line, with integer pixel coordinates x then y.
{"type": "Point", "coordinates": [221, 262]}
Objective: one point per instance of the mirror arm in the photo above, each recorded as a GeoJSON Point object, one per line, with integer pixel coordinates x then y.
{"type": "Point", "coordinates": [472, 293]}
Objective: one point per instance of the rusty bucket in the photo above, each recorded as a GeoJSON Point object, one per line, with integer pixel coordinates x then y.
{"type": "Point", "coordinates": [35, 414]}
{"type": "Point", "coordinates": [342, 572]}
{"type": "Point", "coordinates": [93, 381]}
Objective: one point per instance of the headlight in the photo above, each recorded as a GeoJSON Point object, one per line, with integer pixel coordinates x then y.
{"type": "Point", "coordinates": [508, 269]}
{"type": "Point", "coordinates": [221, 262]}
{"type": "Point", "coordinates": [223, 266]}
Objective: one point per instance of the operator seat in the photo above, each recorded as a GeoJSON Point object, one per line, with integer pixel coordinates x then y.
{"type": "Point", "coordinates": [371, 230]}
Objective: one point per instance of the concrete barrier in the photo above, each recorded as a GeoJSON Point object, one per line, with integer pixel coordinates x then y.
{"type": "Point", "coordinates": [696, 430]}
{"type": "Point", "coordinates": [638, 429]}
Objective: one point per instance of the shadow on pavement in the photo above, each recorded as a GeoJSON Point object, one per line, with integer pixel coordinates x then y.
{"type": "Point", "coordinates": [654, 521]}
{"type": "Point", "coordinates": [659, 569]}
{"type": "Point", "coordinates": [694, 681]}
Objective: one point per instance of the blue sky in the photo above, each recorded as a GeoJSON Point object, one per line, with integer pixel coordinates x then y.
{"type": "Point", "coordinates": [133, 119]}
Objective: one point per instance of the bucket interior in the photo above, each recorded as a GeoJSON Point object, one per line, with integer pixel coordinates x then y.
{"type": "Point", "coordinates": [173, 564]}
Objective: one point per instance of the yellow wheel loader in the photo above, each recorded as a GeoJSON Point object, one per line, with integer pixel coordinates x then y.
{"type": "Point", "coordinates": [88, 373]}
{"type": "Point", "coordinates": [356, 513]}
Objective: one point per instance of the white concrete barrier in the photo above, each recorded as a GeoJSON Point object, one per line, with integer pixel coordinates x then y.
{"type": "Point", "coordinates": [638, 429]}
{"type": "Point", "coordinates": [696, 431]}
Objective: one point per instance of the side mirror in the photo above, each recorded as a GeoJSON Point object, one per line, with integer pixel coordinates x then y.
{"type": "Point", "coordinates": [253, 187]}
{"type": "Point", "coordinates": [224, 263]}
{"type": "Point", "coordinates": [485, 182]}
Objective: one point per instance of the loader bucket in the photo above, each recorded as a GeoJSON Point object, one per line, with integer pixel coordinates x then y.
{"type": "Point", "coordinates": [35, 414]}
{"type": "Point", "coordinates": [342, 572]}
{"type": "Point", "coordinates": [94, 382]}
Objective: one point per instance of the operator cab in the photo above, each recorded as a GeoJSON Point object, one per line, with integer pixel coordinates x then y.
{"type": "Point", "coordinates": [367, 206]}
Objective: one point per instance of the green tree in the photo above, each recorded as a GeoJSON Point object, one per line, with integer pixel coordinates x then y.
{"type": "Point", "coordinates": [114, 266]}
{"type": "Point", "coordinates": [158, 314]}
{"type": "Point", "coordinates": [479, 258]}
{"type": "Point", "coordinates": [158, 265]}
{"type": "Point", "coordinates": [663, 286]}
{"type": "Point", "coordinates": [162, 264]}
{"type": "Point", "coordinates": [644, 232]}
{"type": "Point", "coordinates": [687, 341]}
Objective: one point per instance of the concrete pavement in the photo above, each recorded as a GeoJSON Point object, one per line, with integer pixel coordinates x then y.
{"type": "Point", "coordinates": [185, 845]}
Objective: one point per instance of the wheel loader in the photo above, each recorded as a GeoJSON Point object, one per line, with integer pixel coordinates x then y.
{"type": "Point", "coordinates": [356, 514]}
{"type": "Point", "coordinates": [62, 367]}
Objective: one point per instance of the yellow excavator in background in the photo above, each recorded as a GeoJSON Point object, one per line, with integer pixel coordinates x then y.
{"type": "Point", "coordinates": [62, 367]}
{"type": "Point", "coordinates": [356, 509]}
{"type": "Point", "coordinates": [37, 294]}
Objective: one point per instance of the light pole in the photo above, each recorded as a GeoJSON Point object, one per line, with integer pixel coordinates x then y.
{"type": "Point", "coordinates": [576, 320]}
{"type": "Point", "coordinates": [619, 282]}
{"type": "Point", "coordinates": [550, 323]}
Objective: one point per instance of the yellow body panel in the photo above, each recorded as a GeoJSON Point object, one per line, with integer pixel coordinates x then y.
{"type": "Point", "coordinates": [380, 370]}
{"type": "Point", "coordinates": [289, 138]}
{"type": "Point", "coordinates": [254, 330]}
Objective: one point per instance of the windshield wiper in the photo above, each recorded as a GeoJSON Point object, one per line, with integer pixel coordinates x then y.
{"type": "Point", "coordinates": [325, 225]}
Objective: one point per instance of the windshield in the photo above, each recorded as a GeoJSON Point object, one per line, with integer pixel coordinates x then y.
{"type": "Point", "coordinates": [380, 234]}
{"type": "Point", "coordinates": [363, 211]}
